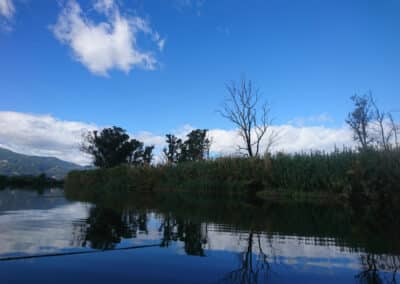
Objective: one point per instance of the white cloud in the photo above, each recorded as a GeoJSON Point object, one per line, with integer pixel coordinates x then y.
{"type": "Point", "coordinates": [111, 44]}
{"type": "Point", "coordinates": [45, 135]}
{"type": "Point", "coordinates": [7, 9]}
{"type": "Point", "coordinates": [290, 139]}
{"type": "Point", "coordinates": [294, 139]}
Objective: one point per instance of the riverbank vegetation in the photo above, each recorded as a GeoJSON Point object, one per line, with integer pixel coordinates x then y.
{"type": "Point", "coordinates": [340, 174]}
{"type": "Point", "coordinates": [371, 170]}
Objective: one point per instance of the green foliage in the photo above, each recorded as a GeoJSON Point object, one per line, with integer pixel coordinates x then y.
{"type": "Point", "coordinates": [376, 174]}
{"type": "Point", "coordinates": [371, 173]}
{"type": "Point", "coordinates": [113, 146]}
{"type": "Point", "coordinates": [173, 150]}
{"type": "Point", "coordinates": [341, 174]}
{"type": "Point", "coordinates": [317, 171]}
{"type": "Point", "coordinates": [147, 155]}
{"type": "Point", "coordinates": [195, 148]}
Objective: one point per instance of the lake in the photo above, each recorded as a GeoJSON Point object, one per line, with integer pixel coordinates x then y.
{"type": "Point", "coordinates": [47, 238]}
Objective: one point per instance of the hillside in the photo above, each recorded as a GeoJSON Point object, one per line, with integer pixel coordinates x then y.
{"type": "Point", "coordinates": [12, 164]}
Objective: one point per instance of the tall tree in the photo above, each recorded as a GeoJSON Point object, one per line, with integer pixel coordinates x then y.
{"type": "Point", "coordinates": [137, 153]}
{"type": "Point", "coordinates": [109, 148]}
{"type": "Point", "coordinates": [360, 119]}
{"type": "Point", "coordinates": [196, 147]}
{"type": "Point", "coordinates": [252, 117]}
{"type": "Point", "coordinates": [383, 130]}
{"type": "Point", "coordinates": [370, 125]}
{"type": "Point", "coordinates": [112, 146]}
{"type": "Point", "coordinates": [147, 155]}
{"type": "Point", "coordinates": [173, 149]}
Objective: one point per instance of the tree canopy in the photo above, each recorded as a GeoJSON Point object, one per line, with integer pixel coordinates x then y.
{"type": "Point", "coordinates": [112, 146]}
{"type": "Point", "coordinates": [195, 148]}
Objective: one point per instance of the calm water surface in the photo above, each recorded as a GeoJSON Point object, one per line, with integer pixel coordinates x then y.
{"type": "Point", "coordinates": [191, 240]}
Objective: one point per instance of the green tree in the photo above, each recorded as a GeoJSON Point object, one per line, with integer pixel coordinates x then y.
{"type": "Point", "coordinates": [137, 153]}
{"type": "Point", "coordinates": [196, 147]}
{"type": "Point", "coordinates": [173, 150]}
{"type": "Point", "coordinates": [147, 155]}
{"type": "Point", "coordinates": [113, 146]}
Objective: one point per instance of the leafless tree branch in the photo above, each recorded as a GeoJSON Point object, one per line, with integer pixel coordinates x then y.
{"type": "Point", "coordinates": [252, 120]}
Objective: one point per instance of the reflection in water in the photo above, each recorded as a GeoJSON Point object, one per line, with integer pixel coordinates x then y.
{"type": "Point", "coordinates": [194, 236]}
{"type": "Point", "coordinates": [31, 223]}
{"type": "Point", "coordinates": [252, 266]}
{"type": "Point", "coordinates": [104, 228]}
{"type": "Point", "coordinates": [249, 244]}
{"type": "Point", "coordinates": [372, 264]}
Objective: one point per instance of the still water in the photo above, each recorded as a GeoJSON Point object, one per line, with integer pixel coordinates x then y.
{"type": "Point", "coordinates": [46, 238]}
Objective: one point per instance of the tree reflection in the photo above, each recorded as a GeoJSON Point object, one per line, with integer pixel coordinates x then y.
{"type": "Point", "coordinates": [187, 228]}
{"type": "Point", "coordinates": [253, 265]}
{"type": "Point", "coordinates": [105, 227]}
{"type": "Point", "coordinates": [373, 265]}
{"type": "Point", "coordinates": [192, 234]}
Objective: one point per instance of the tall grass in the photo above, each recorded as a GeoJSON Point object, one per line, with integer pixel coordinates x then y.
{"type": "Point", "coordinates": [371, 173]}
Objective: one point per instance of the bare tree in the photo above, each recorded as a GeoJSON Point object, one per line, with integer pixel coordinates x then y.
{"type": "Point", "coordinates": [244, 109]}
{"type": "Point", "coordinates": [384, 132]}
{"type": "Point", "coordinates": [395, 128]}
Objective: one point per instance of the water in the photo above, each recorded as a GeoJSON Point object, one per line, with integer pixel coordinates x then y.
{"type": "Point", "coordinates": [180, 239]}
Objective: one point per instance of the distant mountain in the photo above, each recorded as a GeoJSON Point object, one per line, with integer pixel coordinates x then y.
{"type": "Point", "coordinates": [13, 164]}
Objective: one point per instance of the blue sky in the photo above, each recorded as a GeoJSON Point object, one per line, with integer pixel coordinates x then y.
{"type": "Point", "coordinates": [307, 57]}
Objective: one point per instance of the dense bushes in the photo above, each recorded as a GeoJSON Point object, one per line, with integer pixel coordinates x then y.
{"type": "Point", "coordinates": [372, 173]}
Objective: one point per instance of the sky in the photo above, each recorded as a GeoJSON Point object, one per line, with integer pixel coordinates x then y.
{"type": "Point", "coordinates": [157, 67]}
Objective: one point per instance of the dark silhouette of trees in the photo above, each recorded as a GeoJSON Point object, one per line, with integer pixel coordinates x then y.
{"type": "Point", "coordinates": [195, 148]}
{"type": "Point", "coordinates": [370, 125]}
{"type": "Point", "coordinates": [173, 150]}
{"type": "Point", "coordinates": [252, 118]}
{"type": "Point", "coordinates": [192, 234]}
{"type": "Point", "coordinates": [141, 155]}
{"type": "Point", "coordinates": [113, 146]}
{"type": "Point", "coordinates": [137, 152]}
{"type": "Point", "coordinates": [148, 155]}
{"type": "Point", "coordinates": [105, 228]}
{"type": "Point", "coordinates": [360, 119]}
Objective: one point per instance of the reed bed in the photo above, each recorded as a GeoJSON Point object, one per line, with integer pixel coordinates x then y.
{"type": "Point", "coordinates": [372, 173]}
